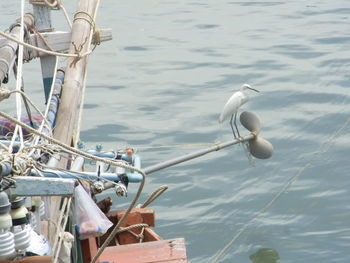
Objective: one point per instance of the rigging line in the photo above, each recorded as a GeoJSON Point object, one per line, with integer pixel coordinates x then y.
{"type": "Point", "coordinates": [18, 129]}
{"type": "Point", "coordinates": [324, 147]}
{"type": "Point", "coordinates": [26, 97]}
{"type": "Point", "coordinates": [69, 148]}
{"type": "Point", "coordinates": [23, 98]}
{"type": "Point", "coordinates": [36, 140]}
{"type": "Point", "coordinates": [60, 6]}
{"type": "Point", "coordinates": [154, 195]}
{"type": "Point", "coordinates": [60, 241]}
{"type": "Point", "coordinates": [54, 53]}
{"type": "Point", "coordinates": [3, 146]}
{"type": "Point", "coordinates": [96, 158]}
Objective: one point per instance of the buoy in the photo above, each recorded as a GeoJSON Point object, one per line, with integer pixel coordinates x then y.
{"type": "Point", "coordinates": [250, 121]}
{"type": "Point", "coordinates": [260, 148]}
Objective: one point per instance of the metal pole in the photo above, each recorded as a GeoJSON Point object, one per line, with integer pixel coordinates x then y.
{"type": "Point", "coordinates": [190, 156]}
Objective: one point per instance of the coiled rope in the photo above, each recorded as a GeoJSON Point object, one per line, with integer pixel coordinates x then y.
{"type": "Point", "coordinates": [54, 4]}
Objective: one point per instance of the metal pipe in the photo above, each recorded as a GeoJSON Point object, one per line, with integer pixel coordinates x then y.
{"type": "Point", "coordinates": [52, 173]}
{"type": "Point", "coordinates": [190, 156]}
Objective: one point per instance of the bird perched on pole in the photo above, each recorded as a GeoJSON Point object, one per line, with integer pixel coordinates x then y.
{"type": "Point", "coordinates": [233, 104]}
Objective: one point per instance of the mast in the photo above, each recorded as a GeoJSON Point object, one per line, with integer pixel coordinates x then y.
{"type": "Point", "coordinates": [82, 32]}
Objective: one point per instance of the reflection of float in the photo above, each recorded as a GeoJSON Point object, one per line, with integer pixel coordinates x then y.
{"type": "Point", "coordinates": [265, 255]}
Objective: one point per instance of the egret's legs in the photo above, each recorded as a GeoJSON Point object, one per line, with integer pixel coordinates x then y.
{"type": "Point", "coordinates": [233, 130]}
{"type": "Point", "coordinates": [235, 122]}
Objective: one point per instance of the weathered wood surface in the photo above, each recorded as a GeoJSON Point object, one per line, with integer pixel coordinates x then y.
{"type": "Point", "coordinates": [42, 15]}
{"type": "Point", "coordinates": [75, 74]}
{"type": "Point", "coordinates": [166, 251]}
{"type": "Point", "coordinates": [60, 41]}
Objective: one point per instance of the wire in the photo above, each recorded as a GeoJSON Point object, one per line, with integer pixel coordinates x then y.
{"type": "Point", "coordinates": [18, 129]}
{"type": "Point", "coordinates": [322, 149]}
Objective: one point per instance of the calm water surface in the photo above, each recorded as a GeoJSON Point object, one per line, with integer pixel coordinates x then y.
{"type": "Point", "coordinates": [163, 81]}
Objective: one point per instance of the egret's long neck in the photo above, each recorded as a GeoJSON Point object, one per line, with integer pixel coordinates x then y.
{"type": "Point", "coordinates": [245, 97]}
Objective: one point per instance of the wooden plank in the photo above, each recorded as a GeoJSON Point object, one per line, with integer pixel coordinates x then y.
{"type": "Point", "coordinates": [169, 251]}
{"type": "Point", "coordinates": [39, 186]}
{"type": "Point", "coordinates": [137, 216]}
{"type": "Point", "coordinates": [42, 16]}
{"type": "Point", "coordinates": [33, 259]}
{"type": "Point", "coordinates": [60, 41]}
{"type": "Point", "coordinates": [88, 249]}
{"type": "Point", "coordinates": [150, 235]}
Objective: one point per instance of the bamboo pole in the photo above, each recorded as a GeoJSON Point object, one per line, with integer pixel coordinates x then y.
{"type": "Point", "coordinates": [8, 48]}
{"type": "Point", "coordinates": [67, 115]}
{"type": "Point", "coordinates": [82, 31]}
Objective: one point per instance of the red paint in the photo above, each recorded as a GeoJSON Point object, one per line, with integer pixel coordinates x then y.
{"type": "Point", "coordinates": [129, 250]}
{"type": "Point", "coordinates": [167, 251]}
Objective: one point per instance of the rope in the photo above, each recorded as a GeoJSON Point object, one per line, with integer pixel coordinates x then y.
{"type": "Point", "coordinates": [124, 229]}
{"type": "Point", "coordinates": [322, 149]}
{"type": "Point", "coordinates": [95, 158]}
{"type": "Point", "coordinates": [48, 3]}
{"type": "Point", "coordinates": [4, 94]}
{"type": "Point", "coordinates": [68, 148]}
{"type": "Point", "coordinates": [18, 130]}
{"type": "Point", "coordinates": [155, 195]}
{"type": "Point", "coordinates": [34, 30]}
{"type": "Point", "coordinates": [31, 103]}
{"type": "Point", "coordinates": [61, 235]}
{"type": "Point", "coordinates": [65, 200]}
{"type": "Point", "coordinates": [53, 4]}
{"type": "Point", "coordinates": [137, 236]}
{"type": "Point", "coordinates": [89, 19]}
{"type": "Point", "coordinates": [36, 140]}
{"type": "Point", "coordinates": [60, 6]}
{"type": "Point", "coordinates": [53, 53]}
{"type": "Point", "coordinates": [3, 146]}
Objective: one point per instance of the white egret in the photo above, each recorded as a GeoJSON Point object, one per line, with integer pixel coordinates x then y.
{"type": "Point", "coordinates": [233, 104]}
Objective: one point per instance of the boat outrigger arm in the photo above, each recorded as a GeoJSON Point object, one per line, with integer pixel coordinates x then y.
{"type": "Point", "coordinates": [190, 156]}
{"type": "Point", "coordinates": [257, 147]}
{"type": "Point", "coordinates": [134, 177]}
{"type": "Point", "coordinates": [65, 187]}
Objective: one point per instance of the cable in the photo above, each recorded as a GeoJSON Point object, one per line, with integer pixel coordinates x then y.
{"type": "Point", "coordinates": [322, 149]}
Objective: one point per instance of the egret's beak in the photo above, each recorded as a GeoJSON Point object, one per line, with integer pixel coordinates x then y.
{"type": "Point", "coordinates": [252, 89]}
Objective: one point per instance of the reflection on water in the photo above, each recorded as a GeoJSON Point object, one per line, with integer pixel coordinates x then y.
{"type": "Point", "coordinates": [265, 255]}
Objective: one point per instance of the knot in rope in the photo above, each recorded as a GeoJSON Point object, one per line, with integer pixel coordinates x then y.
{"type": "Point", "coordinates": [96, 38]}
{"type": "Point", "coordinates": [53, 4]}
{"type": "Point", "coordinates": [4, 94]}
{"type": "Point", "coordinates": [96, 32]}
{"type": "Point", "coordinates": [77, 51]}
